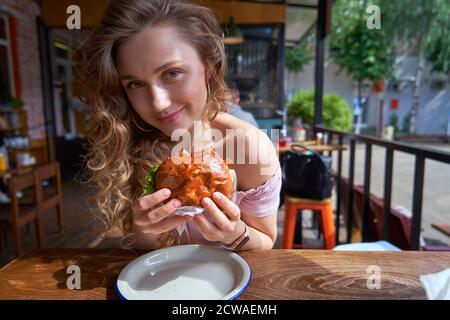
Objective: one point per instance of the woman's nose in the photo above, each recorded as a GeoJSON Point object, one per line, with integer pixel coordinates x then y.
{"type": "Point", "coordinates": [161, 98]}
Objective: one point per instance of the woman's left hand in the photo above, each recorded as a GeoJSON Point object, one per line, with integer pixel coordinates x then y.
{"type": "Point", "coordinates": [227, 226]}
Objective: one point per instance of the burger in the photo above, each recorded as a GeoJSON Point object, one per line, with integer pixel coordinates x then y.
{"type": "Point", "coordinates": [190, 181]}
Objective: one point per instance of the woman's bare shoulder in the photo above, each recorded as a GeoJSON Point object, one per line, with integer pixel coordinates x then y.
{"type": "Point", "coordinates": [227, 121]}
{"type": "Point", "coordinates": [259, 161]}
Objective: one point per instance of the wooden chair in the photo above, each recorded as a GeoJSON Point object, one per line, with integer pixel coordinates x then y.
{"type": "Point", "coordinates": [49, 197]}
{"type": "Point", "coordinates": [18, 214]}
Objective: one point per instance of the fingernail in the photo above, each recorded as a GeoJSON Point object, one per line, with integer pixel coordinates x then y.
{"type": "Point", "coordinates": [217, 195]}
{"type": "Point", "coordinates": [176, 203]}
{"type": "Point", "coordinates": [206, 201]}
{"type": "Point", "coordinates": [166, 192]}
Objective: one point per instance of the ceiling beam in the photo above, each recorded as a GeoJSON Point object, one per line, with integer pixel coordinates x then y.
{"type": "Point", "coordinates": [245, 12]}
{"type": "Point", "coordinates": [54, 11]}
{"type": "Point", "coordinates": [54, 15]}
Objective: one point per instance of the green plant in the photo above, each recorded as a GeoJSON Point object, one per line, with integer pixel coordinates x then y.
{"type": "Point", "coordinates": [405, 122]}
{"type": "Point", "coordinates": [298, 56]}
{"type": "Point", "coordinates": [16, 104]}
{"type": "Point", "coordinates": [422, 27]}
{"type": "Point", "coordinates": [364, 53]}
{"type": "Point", "coordinates": [337, 114]}
{"type": "Point", "coordinates": [233, 34]}
{"type": "Point", "coordinates": [393, 121]}
{"type": "Point", "coordinates": [437, 40]}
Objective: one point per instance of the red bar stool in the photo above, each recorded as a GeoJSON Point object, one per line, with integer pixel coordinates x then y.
{"type": "Point", "coordinates": [322, 207]}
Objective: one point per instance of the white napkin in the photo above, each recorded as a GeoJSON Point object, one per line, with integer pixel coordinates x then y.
{"type": "Point", "coordinates": [437, 285]}
{"type": "Point", "coordinates": [186, 211]}
{"type": "Point", "coordinates": [193, 210]}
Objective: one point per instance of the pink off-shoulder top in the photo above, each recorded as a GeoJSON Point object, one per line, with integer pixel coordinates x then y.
{"type": "Point", "coordinates": [261, 201]}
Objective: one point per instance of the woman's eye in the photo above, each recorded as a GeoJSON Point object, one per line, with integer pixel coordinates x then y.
{"type": "Point", "coordinates": [172, 75]}
{"type": "Point", "coordinates": [134, 85]}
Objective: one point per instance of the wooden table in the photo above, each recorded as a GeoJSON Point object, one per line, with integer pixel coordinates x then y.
{"type": "Point", "coordinates": [277, 274]}
{"type": "Point", "coordinates": [16, 171]}
{"type": "Point", "coordinates": [442, 227]}
{"type": "Point", "coordinates": [318, 148]}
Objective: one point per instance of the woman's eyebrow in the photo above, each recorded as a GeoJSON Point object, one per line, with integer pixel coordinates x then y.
{"type": "Point", "coordinates": [165, 65]}
{"type": "Point", "coordinates": [128, 77]}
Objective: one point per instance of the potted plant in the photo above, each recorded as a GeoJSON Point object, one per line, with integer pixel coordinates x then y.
{"type": "Point", "coordinates": [337, 114]}
{"type": "Point", "coordinates": [12, 103]}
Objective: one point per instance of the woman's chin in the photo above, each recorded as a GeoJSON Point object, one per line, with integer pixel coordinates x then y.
{"type": "Point", "coordinates": [177, 129]}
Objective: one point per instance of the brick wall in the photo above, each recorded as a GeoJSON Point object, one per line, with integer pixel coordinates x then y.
{"type": "Point", "coordinates": [25, 12]}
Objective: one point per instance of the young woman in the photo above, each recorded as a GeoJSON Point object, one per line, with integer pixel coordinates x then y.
{"type": "Point", "coordinates": [148, 68]}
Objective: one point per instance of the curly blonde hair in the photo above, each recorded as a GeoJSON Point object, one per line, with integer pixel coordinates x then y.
{"type": "Point", "coordinates": [123, 146]}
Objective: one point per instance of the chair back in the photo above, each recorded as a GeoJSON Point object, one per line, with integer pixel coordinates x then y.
{"type": "Point", "coordinates": [24, 211]}
{"type": "Point", "coordinates": [44, 173]}
{"type": "Point", "coordinates": [17, 184]}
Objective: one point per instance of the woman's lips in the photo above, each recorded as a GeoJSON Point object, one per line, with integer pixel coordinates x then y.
{"type": "Point", "coordinates": [172, 117]}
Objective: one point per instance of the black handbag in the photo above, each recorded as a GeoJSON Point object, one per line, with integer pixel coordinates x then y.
{"type": "Point", "coordinates": [307, 175]}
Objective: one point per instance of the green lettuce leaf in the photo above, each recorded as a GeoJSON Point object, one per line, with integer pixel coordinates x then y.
{"type": "Point", "coordinates": [150, 186]}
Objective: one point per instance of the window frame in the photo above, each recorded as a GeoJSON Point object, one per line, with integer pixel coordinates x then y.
{"type": "Point", "coordinates": [7, 43]}
{"type": "Point", "coordinates": [67, 64]}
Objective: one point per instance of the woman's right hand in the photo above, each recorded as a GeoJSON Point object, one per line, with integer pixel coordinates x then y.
{"type": "Point", "coordinates": [151, 219]}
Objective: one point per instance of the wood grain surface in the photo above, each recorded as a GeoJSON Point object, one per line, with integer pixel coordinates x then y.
{"type": "Point", "coordinates": [314, 147]}
{"type": "Point", "coordinates": [304, 274]}
{"type": "Point", "coordinates": [276, 274]}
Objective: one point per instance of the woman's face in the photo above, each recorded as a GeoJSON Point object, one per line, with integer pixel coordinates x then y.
{"type": "Point", "coordinates": [164, 78]}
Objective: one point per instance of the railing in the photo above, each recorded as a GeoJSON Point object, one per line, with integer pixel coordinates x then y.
{"type": "Point", "coordinates": [421, 154]}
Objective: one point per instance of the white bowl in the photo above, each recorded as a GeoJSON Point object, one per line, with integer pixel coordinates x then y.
{"type": "Point", "coordinates": [186, 272]}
